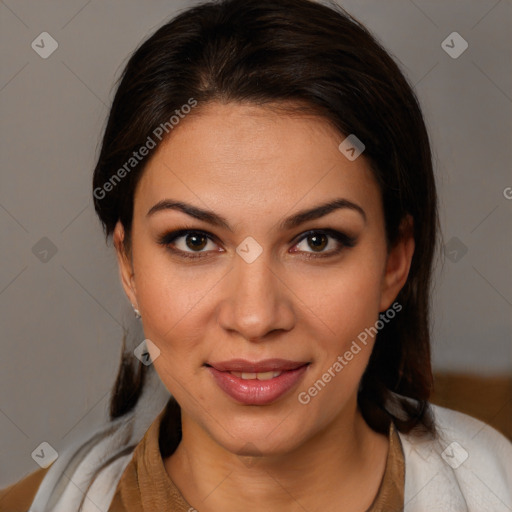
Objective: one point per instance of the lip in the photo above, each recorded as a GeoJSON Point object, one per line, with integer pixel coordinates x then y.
{"type": "Point", "coordinates": [254, 391]}
{"type": "Point", "coordinates": [266, 365]}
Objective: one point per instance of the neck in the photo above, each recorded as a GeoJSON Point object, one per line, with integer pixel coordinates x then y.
{"type": "Point", "coordinates": [344, 463]}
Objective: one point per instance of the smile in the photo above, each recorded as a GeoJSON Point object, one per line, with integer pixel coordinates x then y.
{"type": "Point", "coordinates": [257, 383]}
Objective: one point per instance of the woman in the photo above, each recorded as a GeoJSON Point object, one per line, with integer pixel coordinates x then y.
{"type": "Point", "coordinates": [266, 177]}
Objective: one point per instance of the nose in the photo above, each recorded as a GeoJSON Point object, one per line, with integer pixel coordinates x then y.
{"type": "Point", "coordinates": [256, 301]}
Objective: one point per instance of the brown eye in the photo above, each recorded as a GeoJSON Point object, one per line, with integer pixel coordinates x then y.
{"type": "Point", "coordinates": [196, 241]}
{"type": "Point", "coordinates": [314, 243]}
{"type": "Point", "coordinates": [187, 243]}
{"type": "Point", "coordinates": [318, 242]}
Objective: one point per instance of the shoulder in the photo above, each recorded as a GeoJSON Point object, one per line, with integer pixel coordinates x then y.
{"type": "Point", "coordinates": [18, 496]}
{"type": "Point", "coordinates": [468, 466]}
{"type": "Point", "coordinates": [483, 443]}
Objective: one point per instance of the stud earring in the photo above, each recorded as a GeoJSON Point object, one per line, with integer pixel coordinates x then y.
{"type": "Point", "coordinates": [136, 311]}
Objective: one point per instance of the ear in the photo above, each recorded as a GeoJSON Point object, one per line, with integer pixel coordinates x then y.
{"type": "Point", "coordinates": [398, 264]}
{"type": "Point", "coordinates": [125, 264]}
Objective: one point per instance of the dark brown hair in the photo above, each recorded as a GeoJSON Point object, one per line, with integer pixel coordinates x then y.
{"type": "Point", "coordinates": [278, 52]}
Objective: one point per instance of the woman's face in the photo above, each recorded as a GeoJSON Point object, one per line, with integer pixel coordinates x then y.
{"type": "Point", "coordinates": [263, 282]}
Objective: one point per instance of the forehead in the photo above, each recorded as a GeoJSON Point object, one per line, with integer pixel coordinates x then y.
{"type": "Point", "coordinates": [242, 157]}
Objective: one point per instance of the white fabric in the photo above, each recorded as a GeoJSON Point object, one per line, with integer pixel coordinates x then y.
{"type": "Point", "coordinates": [481, 483]}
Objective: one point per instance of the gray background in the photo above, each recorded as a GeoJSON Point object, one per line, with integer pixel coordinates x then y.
{"type": "Point", "coordinates": [62, 319]}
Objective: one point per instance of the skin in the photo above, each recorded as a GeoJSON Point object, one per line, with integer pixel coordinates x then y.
{"type": "Point", "coordinates": [255, 166]}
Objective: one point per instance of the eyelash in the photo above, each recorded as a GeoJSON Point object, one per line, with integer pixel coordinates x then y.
{"type": "Point", "coordinates": [343, 239]}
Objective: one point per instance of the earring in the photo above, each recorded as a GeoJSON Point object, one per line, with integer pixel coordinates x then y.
{"type": "Point", "coordinates": [136, 311]}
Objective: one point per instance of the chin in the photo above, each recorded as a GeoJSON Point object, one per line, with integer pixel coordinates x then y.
{"type": "Point", "coordinates": [251, 438]}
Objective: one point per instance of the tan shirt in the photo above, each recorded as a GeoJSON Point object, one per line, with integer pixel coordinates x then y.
{"type": "Point", "coordinates": [145, 485]}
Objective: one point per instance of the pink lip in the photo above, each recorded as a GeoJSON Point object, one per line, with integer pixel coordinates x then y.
{"type": "Point", "coordinates": [254, 391]}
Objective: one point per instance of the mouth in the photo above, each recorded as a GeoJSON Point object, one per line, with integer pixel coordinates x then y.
{"type": "Point", "coordinates": [257, 383]}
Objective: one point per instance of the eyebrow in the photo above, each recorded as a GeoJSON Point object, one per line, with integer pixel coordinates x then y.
{"type": "Point", "coordinates": [289, 223]}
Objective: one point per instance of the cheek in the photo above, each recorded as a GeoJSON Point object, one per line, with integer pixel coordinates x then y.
{"type": "Point", "coordinates": [346, 300]}
{"type": "Point", "coordinates": [170, 298]}
{"type": "Point", "coordinates": [168, 291]}
{"type": "Point", "coordinates": [347, 303]}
